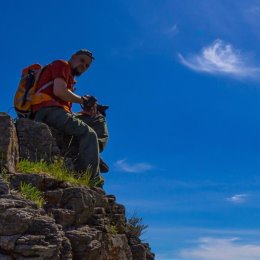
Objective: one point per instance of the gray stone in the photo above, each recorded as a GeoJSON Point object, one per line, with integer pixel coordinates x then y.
{"type": "Point", "coordinates": [54, 197]}
{"type": "Point", "coordinates": [4, 187]}
{"type": "Point", "coordinates": [86, 243]}
{"type": "Point", "coordinates": [138, 252]}
{"type": "Point", "coordinates": [36, 245]}
{"type": "Point", "coordinates": [36, 141]}
{"type": "Point", "coordinates": [25, 232]}
{"type": "Point", "coordinates": [5, 257]}
{"type": "Point", "coordinates": [14, 221]}
{"type": "Point", "coordinates": [14, 201]}
{"type": "Point", "coordinates": [9, 152]}
{"type": "Point", "coordinates": [81, 201]}
{"type": "Point", "coordinates": [42, 181]}
{"type": "Point", "coordinates": [117, 248]}
{"type": "Point", "coordinates": [64, 217]}
{"type": "Point", "coordinates": [8, 242]}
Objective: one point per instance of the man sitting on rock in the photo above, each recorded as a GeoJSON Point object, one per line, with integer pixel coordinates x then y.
{"type": "Point", "coordinates": [89, 127]}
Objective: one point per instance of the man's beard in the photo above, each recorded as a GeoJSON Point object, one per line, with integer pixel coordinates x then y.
{"type": "Point", "coordinates": [76, 72]}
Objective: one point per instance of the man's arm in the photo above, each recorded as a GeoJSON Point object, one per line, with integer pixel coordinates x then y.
{"type": "Point", "coordinates": [60, 90]}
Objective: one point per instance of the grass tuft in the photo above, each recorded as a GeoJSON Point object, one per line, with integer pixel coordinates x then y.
{"type": "Point", "coordinates": [112, 229]}
{"type": "Point", "coordinates": [58, 171]}
{"type": "Point", "coordinates": [135, 226]}
{"type": "Point", "coordinates": [30, 192]}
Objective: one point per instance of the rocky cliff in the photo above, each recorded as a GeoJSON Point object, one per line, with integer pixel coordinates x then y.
{"type": "Point", "coordinates": [75, 221]}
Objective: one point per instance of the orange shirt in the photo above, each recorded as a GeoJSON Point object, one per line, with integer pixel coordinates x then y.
{"type": "Point", "coordinates": [57, 69]}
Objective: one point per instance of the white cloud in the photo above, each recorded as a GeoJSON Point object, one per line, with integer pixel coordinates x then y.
{"type": "Point", "coordinates": [122, 165]}
{"type": "Point", "coordinates": [177, 231]}
{"type": "Point", "coordinates": [238, 198]}
{"type": "Point", "coordinates": [221, 58]}
{"type": "Point", "coordinates": [171, 31]}
{"type": "Point", "coordinates": [210, 240]}
{"type": "Point", "coordinates": [222, 249]}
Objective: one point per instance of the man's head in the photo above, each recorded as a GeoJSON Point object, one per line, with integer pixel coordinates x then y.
{"type": "Point", "coordinates": [80, 61]}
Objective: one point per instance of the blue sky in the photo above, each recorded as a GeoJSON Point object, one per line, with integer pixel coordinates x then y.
{"type": "Point", "coordinates": [182, 81]}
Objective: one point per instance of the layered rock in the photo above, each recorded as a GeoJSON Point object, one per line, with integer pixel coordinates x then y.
{"type": "Point", "coordinates": [27, 232]}
{"type": "Point", "coordinates": [76, 222]}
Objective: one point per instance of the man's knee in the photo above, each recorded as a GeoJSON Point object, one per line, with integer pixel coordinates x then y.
{"type": "Point", "coordinates": [76, 127]}
{"type": "Point", "coordinates": [89, 134]}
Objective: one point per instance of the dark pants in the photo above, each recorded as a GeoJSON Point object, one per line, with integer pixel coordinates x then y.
{"type": "Point", "coordinates": [71, 124]}
{"type": "Point", "coordinates": [99, 125]}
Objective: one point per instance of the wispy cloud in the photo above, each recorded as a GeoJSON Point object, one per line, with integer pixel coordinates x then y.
{"type": "Point", "coordinates": [171, 31]}
{"type": "Point", "coordinates": [122, 165]}
{"type": "Point", "coordinates": [222, 249]}
{"type": "Point", "coordinates": [221, 58]}
{"type": "Point", "coordinates": [238, 198]}
{"type": "Point", "coordinates": [185, 245]}
{"type": "Point", "coordinates": [186, 231]}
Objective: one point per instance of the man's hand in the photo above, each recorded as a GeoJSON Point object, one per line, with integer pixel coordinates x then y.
{"type": "Point", "coordinates": [89, 105]}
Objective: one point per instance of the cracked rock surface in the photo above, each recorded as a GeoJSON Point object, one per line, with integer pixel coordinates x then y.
{"type": "Point", "coordinates": [73, 224]}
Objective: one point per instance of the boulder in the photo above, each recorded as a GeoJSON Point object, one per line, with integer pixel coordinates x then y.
{"type": "Point", "coordinates": [36, 141]}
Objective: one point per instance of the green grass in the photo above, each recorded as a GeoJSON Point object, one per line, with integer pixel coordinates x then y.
{"type": "Point", "coordinates": [58, 171]}
{"type": "Point", "coordinates": [135, 226]}
{"type": "Point", "coordinates": [4, 174]}
{"type": "Point", "coordinates": [112, 229]}
{"type": "Point", "coordinates": [30, 192]}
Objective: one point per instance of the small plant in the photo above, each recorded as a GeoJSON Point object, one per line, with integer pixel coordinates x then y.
{"type": "Point", "coordinates": [4, 174]}
{"type": "Point", "coordinates": [112, 229]}
{"type": "Point", "coordinates": [30, 192]}
{"type": "Point", "coordinates": [57, 170]}
{"type": "Point", "coordinates": [135, 226]}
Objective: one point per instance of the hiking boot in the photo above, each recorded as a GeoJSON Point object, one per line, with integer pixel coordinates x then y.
{"type": "Point", "coordinates": [103, 167]}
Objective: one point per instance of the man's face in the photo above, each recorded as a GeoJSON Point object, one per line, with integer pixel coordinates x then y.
{"type": "Point", "coordinates": [80, 63]}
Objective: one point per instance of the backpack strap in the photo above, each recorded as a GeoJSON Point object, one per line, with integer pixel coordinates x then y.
{"type": "Point", "coordinates": [45, 86]}
{"type": "Point", "coordinates": [28, 85]}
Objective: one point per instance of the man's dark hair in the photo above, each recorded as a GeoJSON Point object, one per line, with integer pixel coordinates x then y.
{"type": "Point", "coordinates": [85, 52]}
